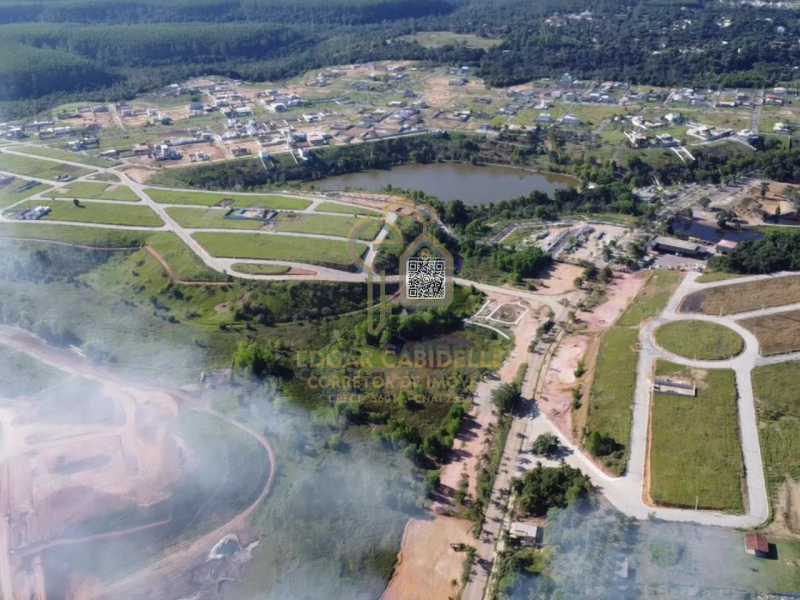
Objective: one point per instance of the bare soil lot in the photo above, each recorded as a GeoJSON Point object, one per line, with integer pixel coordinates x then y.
{"type": "Point", "coordinates": [744, 297]}
{"type": "Point", "coordinates": [777, 334]}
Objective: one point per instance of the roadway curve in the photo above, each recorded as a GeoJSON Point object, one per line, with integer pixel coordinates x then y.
{"type": "Point", "coordinates": [627, 493]}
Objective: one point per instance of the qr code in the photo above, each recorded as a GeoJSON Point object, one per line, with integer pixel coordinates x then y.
{"type": "Point", "coordinates": [426, 278]}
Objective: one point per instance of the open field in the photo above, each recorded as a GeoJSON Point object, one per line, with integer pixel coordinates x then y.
{"type": "Point", "coordinates": [777, 334]}
{"type": "Point", "coordinates": [778, 409]}
{"type": "Point", "coordinates": [699, 340]}
{"type": "Point", "coordinates": [17, 190]}
{"type": "Point", "coordinates": [333, 207]}
{"type": "Point", "coordinates": [52, 152]}
{"type": "Point", "coordinates": [439, 39]}
{"type": "Point", "coordinates": [183, 262]}
{"type": "Point", "coordinates": [255, 269]}
{"type": "Point", "coordinates": [96, 190]}
{"type": "Point", "coordinates": [43, 169]}
{"type": "Point", "coordinates": [73, 234]}
{"type": "Point", "coordinates": [276, 247]}
{"type": "Point", "coordinates": [614, 384]}
{"type": "Point", "coordinates": [743, 297]}
{"type": "Point", "coordinates": [695, 453]}
{"type": "Point", "coordinates": [96, 212]}
{"type": "Point", "coordinates": [215, 198]}
{"type": "Point", "coordinates": [209, 218]}
{"type": "Point", "coordinates": [346, 227]}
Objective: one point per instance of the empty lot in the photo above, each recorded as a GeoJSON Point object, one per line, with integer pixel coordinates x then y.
{"type": "Point", "coordinates": [695, 452]}
{"type": "Point", "coordinates": [97, 190]}
{"type": "Point", "coordinates": [44, 169]}
{"type": "Point", "coordinates": [96, 212]}
{"type": "Point", "coordinates": [276, 247]}
{"type": "Point", "coordinates": [744, 297]}
{"type": "Point", "coordinates": [218, 198]}
{"type": "Point", "coordinates": [346, 227]}
{"type": "Point", "coordinates": [778, 333]}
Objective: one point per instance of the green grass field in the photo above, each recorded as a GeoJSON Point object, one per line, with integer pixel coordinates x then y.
{"type": "Point", "coordinates": [214, 198]}
{"type": "Point", "coordinates": [276, 247]}
{"type": "Point", "coordinates": [347, 209]}
{"type": "Point", "coordinates": [52, 152]}
{"type": "Point", "coordinates": [346, 227]}
{"type": "Point", "coordinates": [18, 189]}
{"type": "Point", "coordinates": [254, 269]}
{"type": "Point", "coordinates": [699, 340]}
{"type": "Point", "coordinates": [610, 409]}
{"type": "Point", "coordinates": [696, 456]}
{"type": "Point", "coordinates": [209, 218]}
{"type": "Point", "coordinates": [43, 169]}
{"type": "Point", "coordinates": [778, 408]}
{"type": "Point", "coordinates": [95, 190]}
{"type": "Point", "coordinates": [96, 212]}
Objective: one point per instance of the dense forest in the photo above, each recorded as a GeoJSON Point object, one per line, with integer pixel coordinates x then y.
{"type": "Point", "coordinates": [113, 49]}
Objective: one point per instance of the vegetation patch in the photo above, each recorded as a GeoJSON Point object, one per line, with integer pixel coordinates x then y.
{"type": "Point", "coordinates": [95, 212]}
{"type": "Point", "coordinates": [280, 247]}
{"type": "Point", "coordinates": [695, 452]}
{"type": "Point", "coordinates": [220, 198]}
{"type": "Point", "coordinates": [94, 190]}
{"type": "Point", "coordinates": [699, 340]}
{"type": "Point", "coordinates": [44, 169]}
{"type": "Point", "coordinates": [608, 424]}
{"type": "Point", "coordinates": [744, 297]}
{"type": "Point", "coordinates": [776, 334]}
{"type": "Point", "coordinates": [778, 409]}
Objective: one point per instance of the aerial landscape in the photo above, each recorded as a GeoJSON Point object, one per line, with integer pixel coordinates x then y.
{"type": "Point", "coordinates": [399, 299]}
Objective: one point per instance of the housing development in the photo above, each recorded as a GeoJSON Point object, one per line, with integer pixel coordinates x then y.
{"type": "Point", "coordinates": [417, 323]}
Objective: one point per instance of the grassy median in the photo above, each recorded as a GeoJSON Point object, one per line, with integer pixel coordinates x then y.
{"type": "Point", "coordinates": [699, 340]}
{"type": "Point", "coordinates": [695, 451]}
{"type": "Point", "coordinates": [776, 334]}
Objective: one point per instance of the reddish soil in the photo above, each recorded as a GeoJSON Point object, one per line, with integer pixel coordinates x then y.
{"type": "Point", "coordinates": [427, 565]}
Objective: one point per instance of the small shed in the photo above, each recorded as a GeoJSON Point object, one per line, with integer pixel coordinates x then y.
{"type": "Point", "coordinates": [756, 544]}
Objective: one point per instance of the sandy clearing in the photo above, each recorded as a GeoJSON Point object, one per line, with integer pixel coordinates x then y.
{"type": "Point", "coordinates": [560, 280]}
{"type": "Point", "coordinates": [427, 565]}
{"type": "Point", "coordinates": [620, 294]}
{"type": "Point", "coordinates": [559, 381]}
